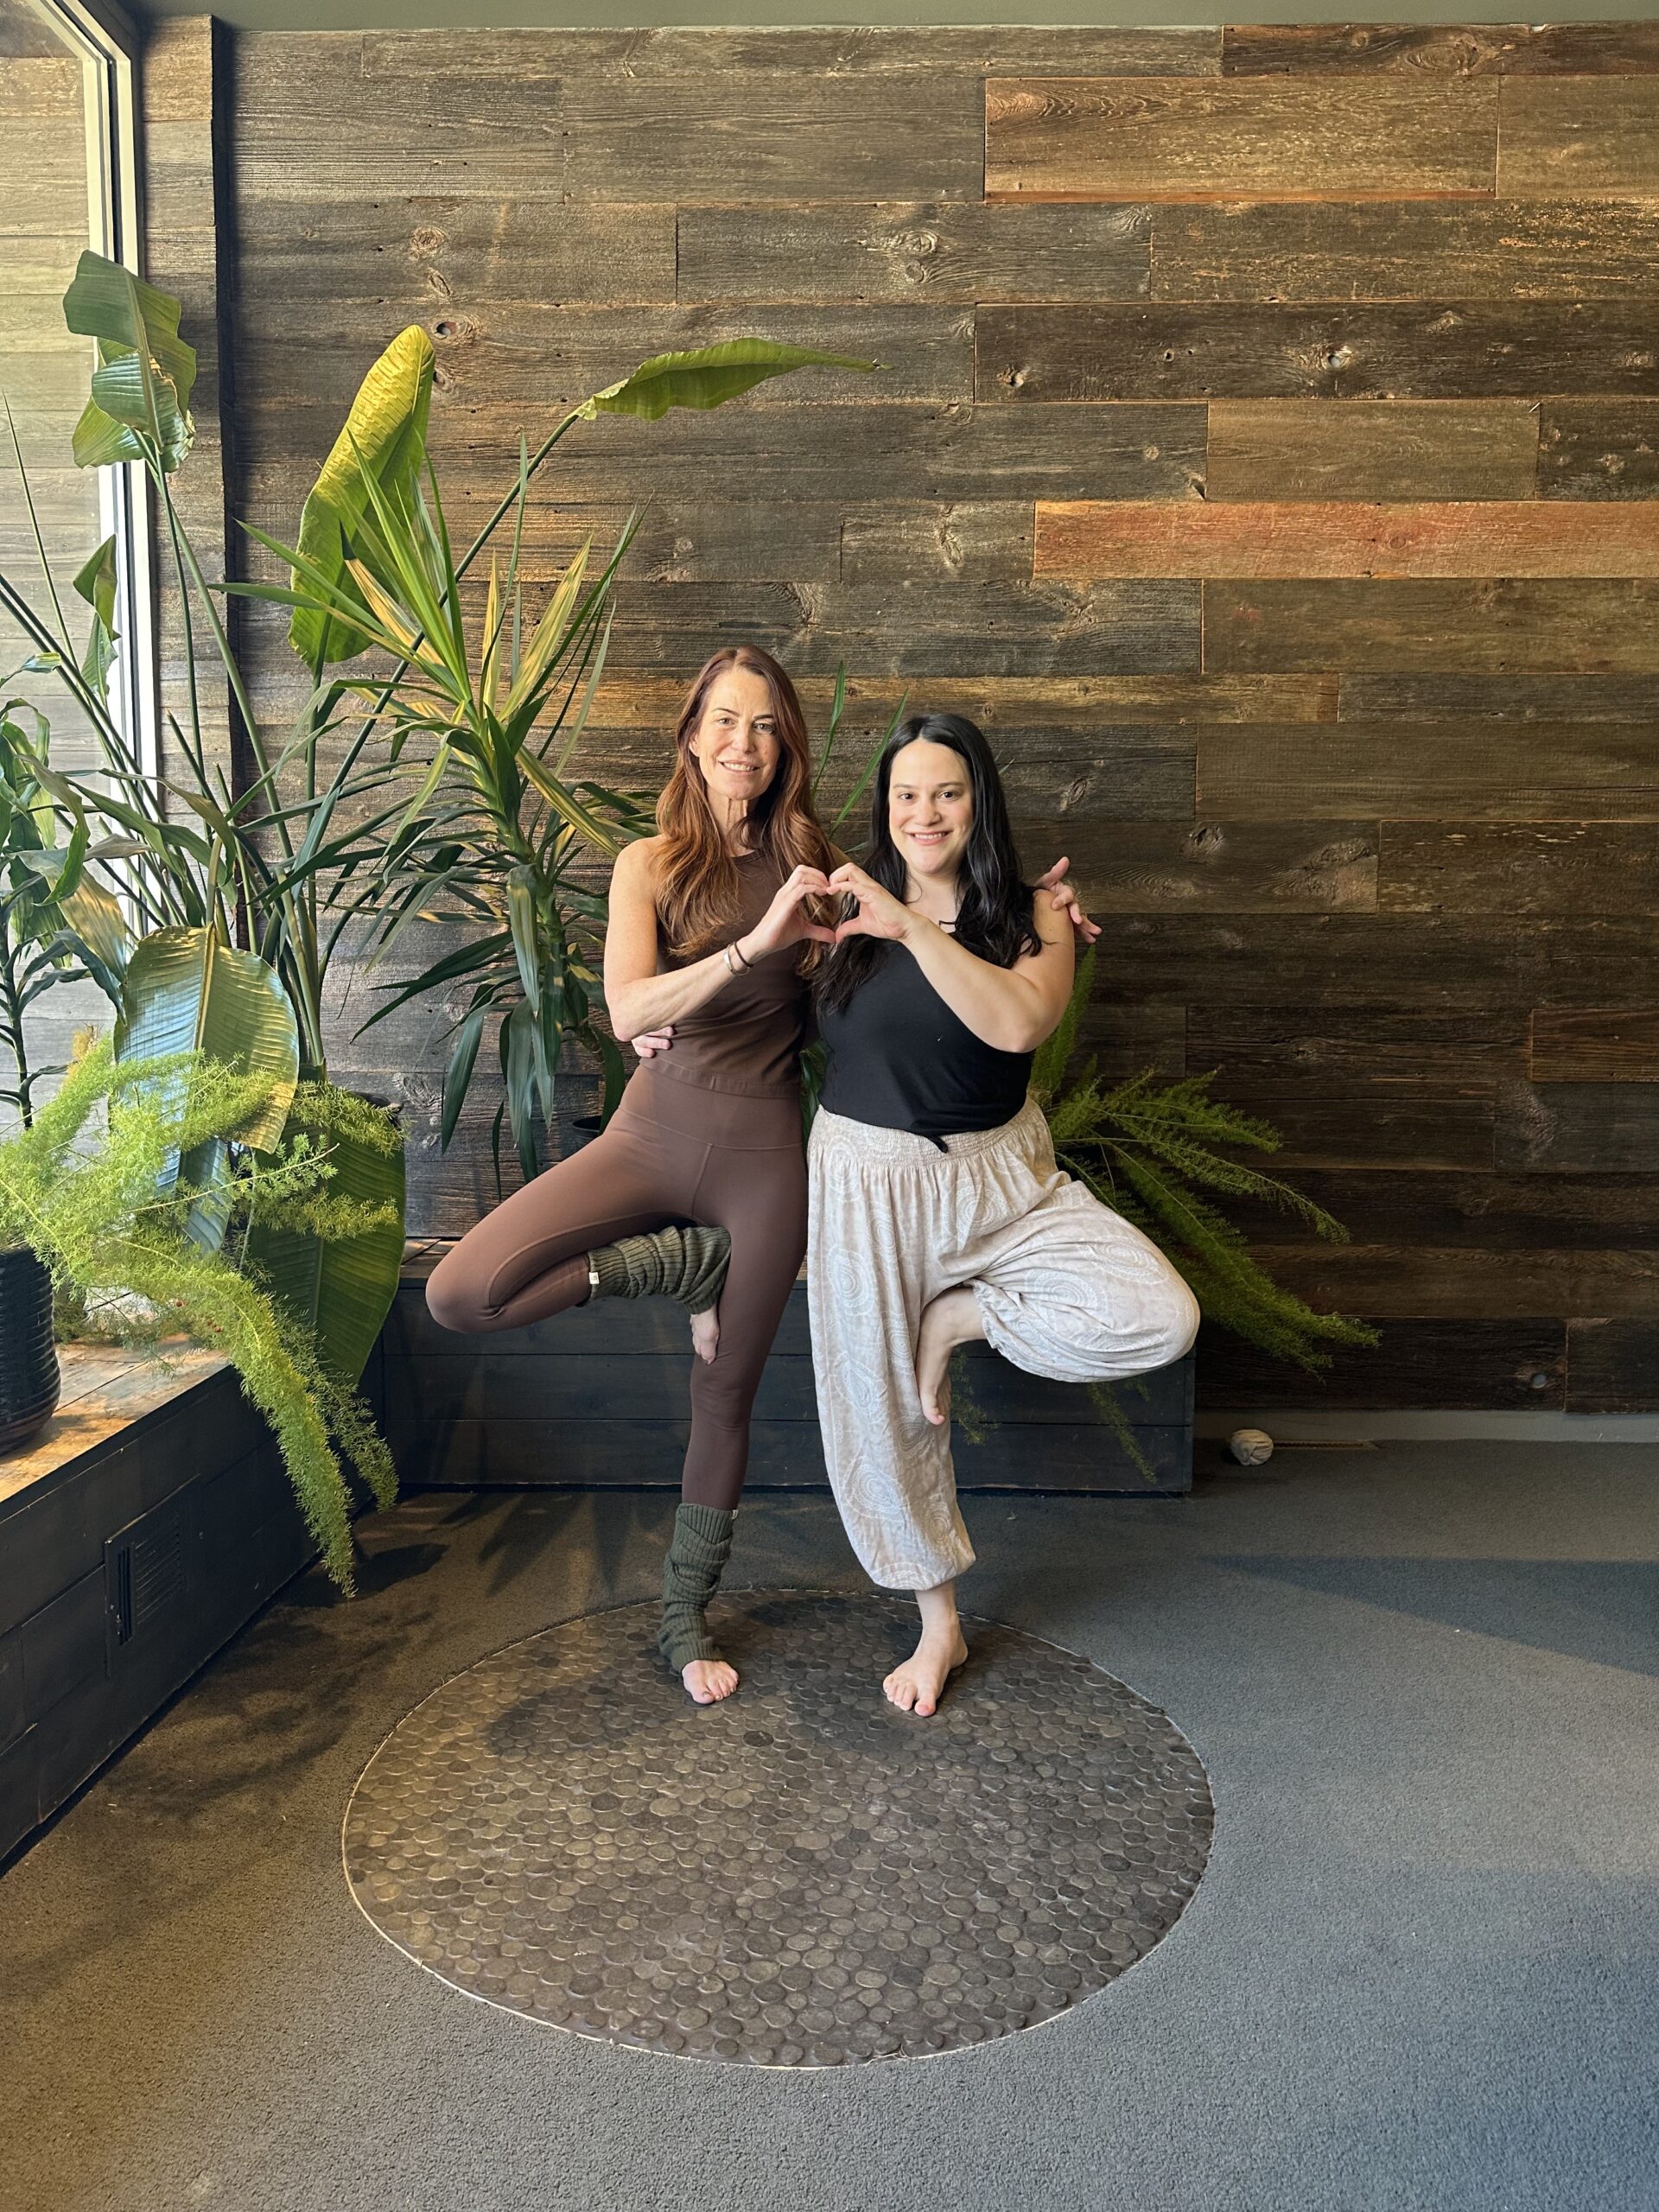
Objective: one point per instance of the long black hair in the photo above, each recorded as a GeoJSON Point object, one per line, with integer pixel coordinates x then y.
{"type": "Point", "coordinates": [995, 916]}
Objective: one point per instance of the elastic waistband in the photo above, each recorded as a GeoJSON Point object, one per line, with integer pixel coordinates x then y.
{"type": "Point", "coordinates": [834, 1132]}
{"type": "Point", "coordinates": [664, 1071]}
{"type": "Point", "coordinates": [729, 1119]}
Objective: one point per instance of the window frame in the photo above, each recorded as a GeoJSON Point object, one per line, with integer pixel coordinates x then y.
{"type": "Point", "coordinates": [108, 44]}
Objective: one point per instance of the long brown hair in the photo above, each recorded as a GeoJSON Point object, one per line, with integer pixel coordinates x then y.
{"type": "Point", "coordinates": [696, 877]}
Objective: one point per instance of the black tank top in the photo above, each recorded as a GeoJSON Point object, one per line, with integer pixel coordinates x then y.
{"type": "Point", "coordinates": [899, 1058]}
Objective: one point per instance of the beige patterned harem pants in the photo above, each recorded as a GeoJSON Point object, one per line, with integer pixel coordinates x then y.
{"type": "Point", "coordinates": [1065, 1286]}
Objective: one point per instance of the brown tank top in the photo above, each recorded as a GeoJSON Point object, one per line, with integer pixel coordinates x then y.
{"type": "Point", "coordinates": [747, 1038]}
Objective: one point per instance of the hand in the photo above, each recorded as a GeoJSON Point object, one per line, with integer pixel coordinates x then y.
{"type": "Point", "coordinates": [878, 913]}
{"type": "Point", "coordinates": [1066, 899]}
{"type": "Point", "coordinates": [650, 1042]}
{"type": "Point", "coordinates": [788, 920]}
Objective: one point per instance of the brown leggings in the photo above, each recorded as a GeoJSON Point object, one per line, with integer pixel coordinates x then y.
{"type": "Point", "coordinates": [673, 1151]}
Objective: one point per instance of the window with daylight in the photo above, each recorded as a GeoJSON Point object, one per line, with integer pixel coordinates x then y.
{"type": "Point", "coordinates": [68, 181]}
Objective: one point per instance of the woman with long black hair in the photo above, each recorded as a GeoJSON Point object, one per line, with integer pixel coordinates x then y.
{"type": "Point", "coordinates": [937, 1215]}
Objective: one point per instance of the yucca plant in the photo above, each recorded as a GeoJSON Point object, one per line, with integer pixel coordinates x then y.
{"type": "Point", "coordinates": [196, 907]}
{"type": "Point", "coordinates": [1150, 1152]}
{"type": "Point", "coordinates": [92, 1187]}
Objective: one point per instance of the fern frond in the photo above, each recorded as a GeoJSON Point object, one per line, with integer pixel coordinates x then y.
{"type": "Point", "coordinates": [1158, 1154]}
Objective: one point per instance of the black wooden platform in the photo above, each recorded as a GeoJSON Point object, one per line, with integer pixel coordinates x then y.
{"type": "Point", "coordinates": [140, 1530]}
{"type": "Point", "coordinates": [596, 1398]}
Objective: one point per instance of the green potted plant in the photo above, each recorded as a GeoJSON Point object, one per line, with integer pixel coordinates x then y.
{"type": "Point", "coordinates": [93, 1187]}
{"type": "Point", "coordinates": [283, 862]}
{"type": "Point", "coordinates": [223, 952]}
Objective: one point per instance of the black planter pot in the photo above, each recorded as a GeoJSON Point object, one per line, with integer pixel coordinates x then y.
{"type": "Point", "coordinates": [580, 1129]}
{"type": "Point", "coordinates": [28, 1354]}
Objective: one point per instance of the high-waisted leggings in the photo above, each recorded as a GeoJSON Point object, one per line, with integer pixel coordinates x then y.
{"type": "Point", "coordinates": [673, 1151]}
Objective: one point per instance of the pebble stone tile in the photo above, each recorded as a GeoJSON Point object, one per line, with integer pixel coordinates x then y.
{"type": "Point", "coordinates": [802, 1876]}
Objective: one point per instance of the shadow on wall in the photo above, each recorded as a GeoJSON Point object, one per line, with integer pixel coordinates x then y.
{"type": "Point", "coordinates": [1604, 1610]}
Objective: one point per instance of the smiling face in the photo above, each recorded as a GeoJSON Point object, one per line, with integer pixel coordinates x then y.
{"type": "Point", "coordinates": [736, 742]}
{"type": "Point", "coordinates": [930, 808]}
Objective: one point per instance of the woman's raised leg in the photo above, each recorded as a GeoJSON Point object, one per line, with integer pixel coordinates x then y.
{"type": "Point", "coordinates": [529, 1258]}
{"type": "Point", "coordinates": [1072, 1291]}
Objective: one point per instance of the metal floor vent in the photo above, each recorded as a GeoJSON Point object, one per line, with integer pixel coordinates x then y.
{"type": "Point", "coordinates": [146, 1567]}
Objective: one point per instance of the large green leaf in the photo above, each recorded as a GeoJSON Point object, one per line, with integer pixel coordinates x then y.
{"type": "Point", "coordinates": [340, 1289]}
{"type": "Point", "coordinates": [94, 918]}
{"type": "Point", "coordinates": [185, 992]}
{"type": "Point", "coordinates": [146, 371]}
{"type": "Point", "coordinates": [709, 376]}
{"type": "Point", "coordinates": [384, 435]}
{"type": "Point", "coordinates": [97, 585]}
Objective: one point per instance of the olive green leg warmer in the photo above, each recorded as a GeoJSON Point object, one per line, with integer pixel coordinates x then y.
{"type": "Point", "coordinates": [689, 1264]}
{"type": "Point", "coordinates": [692, 1573]}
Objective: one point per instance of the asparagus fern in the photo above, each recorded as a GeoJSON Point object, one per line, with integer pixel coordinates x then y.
{"type": "Point", "coordinates": [96, 1205]}
{"type": "Point", "coordinates": [1150, 1152]}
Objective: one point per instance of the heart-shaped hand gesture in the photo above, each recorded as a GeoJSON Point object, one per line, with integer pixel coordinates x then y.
{"type": "Point", "coordinates": [788, 919]}
{"type": "Point", "coordinates": [878, 913]}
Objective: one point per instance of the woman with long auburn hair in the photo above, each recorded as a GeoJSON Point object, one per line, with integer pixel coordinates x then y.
{"type": "Point", "coordinates": [711, 929]}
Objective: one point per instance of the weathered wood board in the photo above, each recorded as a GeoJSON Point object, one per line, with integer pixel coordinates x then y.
{"type": "Point", "coordinates": [1111, 138]}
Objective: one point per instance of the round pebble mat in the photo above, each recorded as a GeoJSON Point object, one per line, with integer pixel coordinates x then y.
{"type": "Point", "coordinates": [801, 1876]}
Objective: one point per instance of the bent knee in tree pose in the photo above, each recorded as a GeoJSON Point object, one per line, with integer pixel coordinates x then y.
{"type": "Point", "coordinates": [937, 1215]}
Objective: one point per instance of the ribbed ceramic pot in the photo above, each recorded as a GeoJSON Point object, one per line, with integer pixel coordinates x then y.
{"type": "Point", "coordinates": [29, 1355]}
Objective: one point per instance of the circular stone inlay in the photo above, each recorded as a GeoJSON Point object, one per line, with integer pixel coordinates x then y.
{"type": "Point", "coordinates": [801, 1876]}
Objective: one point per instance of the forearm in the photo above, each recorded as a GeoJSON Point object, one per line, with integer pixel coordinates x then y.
{"type": "Point", "coordinates": [649, 1002]}
{"type": "Point", "coordinates": [1005, 1010]}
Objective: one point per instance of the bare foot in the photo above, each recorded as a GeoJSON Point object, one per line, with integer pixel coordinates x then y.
{"type": "Point", "coordinates": [950, 1320]}
{"type": "Point", "coordinates": [915, 1686]}
{"type": "Point", "coordinates": [705, 1337]}
{"type": "Point", "coordinates": [708, 1680]}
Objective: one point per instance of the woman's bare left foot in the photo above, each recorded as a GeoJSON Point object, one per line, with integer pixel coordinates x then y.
{"type": "Point", "coordinates": [915, 1686]}
{"type": "Point", "coordinates": [708, 1680]}
{"type": "Point", "coordinates": [705, 1336]}
{"type": "Point", "coordinates": [951, 1319]}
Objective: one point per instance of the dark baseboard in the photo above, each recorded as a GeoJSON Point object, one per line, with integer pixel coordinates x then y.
{"type": "Point", "coordinates": [596, 1399]}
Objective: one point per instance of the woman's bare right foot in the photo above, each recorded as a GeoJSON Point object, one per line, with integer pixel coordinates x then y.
{"type": "Point", "coordinates": [705, 1333]}
{"type": "Point", "coordinates": [916, 1685]}
{"type": "Point", "coordinates": [708, 1680]}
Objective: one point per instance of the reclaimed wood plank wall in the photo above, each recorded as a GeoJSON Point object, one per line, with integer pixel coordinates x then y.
{"type": "Point", "coordinates": [1266, 453]}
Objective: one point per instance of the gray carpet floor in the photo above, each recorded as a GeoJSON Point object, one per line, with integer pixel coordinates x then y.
{"type": "Point", "coordinates": [1420, 1971]}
